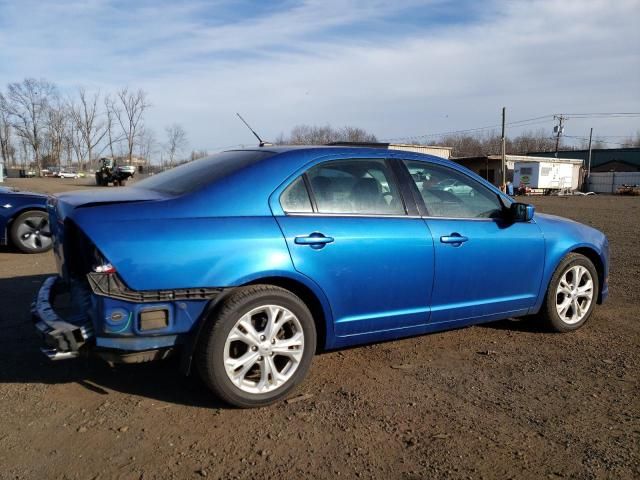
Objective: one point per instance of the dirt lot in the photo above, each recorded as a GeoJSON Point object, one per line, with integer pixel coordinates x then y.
{"type": "Point", "coordinates": [503, 400]}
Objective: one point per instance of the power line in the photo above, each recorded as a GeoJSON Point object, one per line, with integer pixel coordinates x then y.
{"type": "Point", "coordinates": [520, 123]}
{"type": "Point", "coordinates": [602, 141]}
{"type": "Point", "coordinates": [608, 114]}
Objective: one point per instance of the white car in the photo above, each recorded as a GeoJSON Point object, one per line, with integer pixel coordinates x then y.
{"type": "Point", "coordinates": [68, 175]}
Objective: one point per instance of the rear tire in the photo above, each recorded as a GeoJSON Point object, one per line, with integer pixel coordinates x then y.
{"type": "Point", "coordinates": [571, 295]}
{"type": "Point", "coordinates": [257, 347]}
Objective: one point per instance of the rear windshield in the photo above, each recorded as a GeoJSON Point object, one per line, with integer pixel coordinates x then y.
{"type": "Point", "coordinates": [195, 175]}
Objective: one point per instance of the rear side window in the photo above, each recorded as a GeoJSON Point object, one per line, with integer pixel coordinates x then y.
{"type": "Point", "coordinates": [356, 187]}
{"type": "Point", "coordinates": [295, 199]}
{"type": "Point", "coordinates": [199, 173]}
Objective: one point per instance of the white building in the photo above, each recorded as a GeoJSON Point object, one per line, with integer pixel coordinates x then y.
{"type": "Point", "coordinates": [442, 152]}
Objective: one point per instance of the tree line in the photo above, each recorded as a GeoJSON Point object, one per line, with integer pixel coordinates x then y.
{"type": "Point", "coordinates": [463, 145]}
{"type": "Point", "coordinates": [39, 127]}
{"type": "Point", "coordinates": [322, 135]}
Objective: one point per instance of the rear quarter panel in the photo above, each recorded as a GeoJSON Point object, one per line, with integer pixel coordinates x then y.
{"type": "Point", "coordinates": [182, 252]}
{"type": "Point", "coordinates": [179, 243]}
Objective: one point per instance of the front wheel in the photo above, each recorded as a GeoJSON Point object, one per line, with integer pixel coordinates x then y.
{"type": "Point", "coordinates": [571, 295]}
{"type": "Point", "coordinates": [258, 347]}
{"type": "Point", "coordinates": [30, 232]}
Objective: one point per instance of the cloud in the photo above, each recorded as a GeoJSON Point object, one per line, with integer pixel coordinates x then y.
{"type": "Point", "coordinates": [395, 68]}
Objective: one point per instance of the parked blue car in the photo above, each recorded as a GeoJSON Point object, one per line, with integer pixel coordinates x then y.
{"type": "Point", "coordinates": [248, 262]}
{"type": "Point", "coordinates": [24, 221]}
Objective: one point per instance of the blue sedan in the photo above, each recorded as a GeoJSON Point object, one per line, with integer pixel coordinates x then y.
{"type": "Point", "coordinates": [248, 262]}
{"type": "Point", "coordinates": [24, 221]}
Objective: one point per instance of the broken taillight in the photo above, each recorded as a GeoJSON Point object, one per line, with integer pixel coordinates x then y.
{"type": "Point", "coordinates": [104, 268]}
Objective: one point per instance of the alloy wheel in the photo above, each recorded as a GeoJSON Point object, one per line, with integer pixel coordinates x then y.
{"type": "Point", "coordinates": [33, 233]}
{"type": "Point", "coordinates": [264, 349]}
{"type": "Point", "coordinates": [574, 294]}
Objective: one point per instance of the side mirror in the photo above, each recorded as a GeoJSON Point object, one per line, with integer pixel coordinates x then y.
{"type": "Point", "coordinates": [521, 212]}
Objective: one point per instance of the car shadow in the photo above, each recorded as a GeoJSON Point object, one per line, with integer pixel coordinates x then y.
{"type": "Point", "coordinates": [22, 361]}
{"type": "Point", "coordinates": [522, 324]}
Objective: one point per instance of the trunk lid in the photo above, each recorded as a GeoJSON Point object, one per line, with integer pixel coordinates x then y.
{"type": "Point", "coordinates": [73, 250]}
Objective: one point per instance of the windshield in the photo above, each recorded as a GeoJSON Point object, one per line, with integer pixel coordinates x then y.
{"type": "Point", "coordinates": [194, 175]}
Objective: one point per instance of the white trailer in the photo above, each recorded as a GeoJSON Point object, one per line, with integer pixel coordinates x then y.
{"type": "Point", "coordinates": [554, 175]}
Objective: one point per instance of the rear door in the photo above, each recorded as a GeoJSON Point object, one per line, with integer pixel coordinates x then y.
{"type": "Point", "coordinates": [485, 265]}
{"type": "Point", "coordinates": [348, 229]}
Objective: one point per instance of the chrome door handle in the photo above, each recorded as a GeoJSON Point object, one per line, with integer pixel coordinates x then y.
{"type": "Point", "coordinates": [314, 240]}
{"type": "Point", "coordinates": [454, 239]}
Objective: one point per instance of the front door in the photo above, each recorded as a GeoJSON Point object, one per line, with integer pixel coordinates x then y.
{"type": "Point", "coordinates": [348, 230]}
{"type": "Point", "coordinates": [485, 266]}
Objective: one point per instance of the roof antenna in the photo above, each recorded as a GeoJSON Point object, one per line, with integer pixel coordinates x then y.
{"type": "Point", "coordinates": [262, 142]}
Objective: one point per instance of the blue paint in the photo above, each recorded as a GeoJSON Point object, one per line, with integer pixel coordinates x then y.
{"type": "Point", "coordinates": [382, 277]}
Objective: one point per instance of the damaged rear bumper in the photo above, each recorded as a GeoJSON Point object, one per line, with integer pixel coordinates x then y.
{"type": "Point", "coordinates": [63, 338]}
{"type": "Point", "coordinates": [73, 320]}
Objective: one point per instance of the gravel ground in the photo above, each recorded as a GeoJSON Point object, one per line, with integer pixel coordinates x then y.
{"type": "Point", "coordinates": [502, 400]}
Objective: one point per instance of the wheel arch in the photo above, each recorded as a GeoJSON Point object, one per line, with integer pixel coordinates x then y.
{"type": "Point", "coordinates": [309, 298]}
{"type": "Point", "coordinates": [595, 258]}
{"type": "Point", "coordinates": [556, 253]}
{"type": "Point", "coordinates": [320, 311]}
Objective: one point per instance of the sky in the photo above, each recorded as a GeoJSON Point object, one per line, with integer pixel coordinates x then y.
{"type": "Point", "coordinates": [403, 70]}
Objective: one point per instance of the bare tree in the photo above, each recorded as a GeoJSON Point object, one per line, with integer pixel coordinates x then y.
{"type": "Point", "coordinates": [28, 105]}
{"type": "Point", "coordinates": [69, 143]}
{"type": "Point", "coordinates": [112, 138]}
{"type": "Point", "coordinates": [314, 135]}
{"type": "Point", "coordinates": [147, 144]}
{"type": "Point", "coordinates": [24, 152]}
{"type": "Point", "coordinates": [196, 154]}
{"type": "Point", "coordinates": [6, 148]}
{"type": "Point", "coordinates": [176, 142]}
{"type": "Point", "coordinates": [463, 145]}
{"type": "Point", "coordinates": [86, 118]}
{"type": "Point", "coordinates": [631, 141]}
{"type": "Point", "coordinates": [56, 130]}
{"type": "Point", "coordinates": [130, 116]}
{"type": "Point", "coordinates": [489, 144]}
{"type": "Point", "coordinates": [538, 141]}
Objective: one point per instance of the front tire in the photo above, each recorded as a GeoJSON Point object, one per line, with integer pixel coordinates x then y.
{"type": "Point", "coordinates": [30, 232]}
{"type": "Point", "coordinates": [258, 347]}
{"type": "Point", "coordinates": [571, 295]}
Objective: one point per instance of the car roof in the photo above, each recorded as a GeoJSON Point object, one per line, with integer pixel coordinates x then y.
{"type": "Point", "coordinates": [289, 148]}
{"type": "Point", "coordinates": [337, 150]}
{"type": "Point", "coordinates": [340, 150]}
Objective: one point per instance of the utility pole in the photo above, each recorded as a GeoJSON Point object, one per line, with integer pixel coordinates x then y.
{"type": "Point", "coordinates": [589, 161]}
{"type": "Point", "coordinates": [558, 130]}
{"type": "Point", "coordinates": [503, 153]}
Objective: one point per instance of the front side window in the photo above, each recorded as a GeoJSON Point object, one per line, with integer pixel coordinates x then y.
{"type": "Point", "coordinates": [448, 193]}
